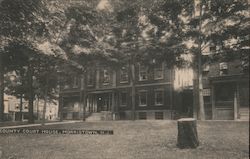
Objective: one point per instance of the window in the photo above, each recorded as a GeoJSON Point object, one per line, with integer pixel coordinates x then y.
{"type": "Point", "coordinates": [158, 72]}
{"type": "Point", "coordinates": [212, 49]}
{"type": "Point", "coordinates": [75, 82]}
{"type": "Point", "coordinates": [26, 105]}
{"type": "Point", "coordinates": [142, 115]}
{"type": "Point", "coordinates": [159, 97]}
{"type": "Point", "coordinates": [124, 75]}
{"type": "Point", "coordinates": [90, 78]}
{"type": "Point", "coordinates": [245, 66]}
{"type": "Point", "coordinates": [159, 115]}
{"type": "Point", "coordinates": [65, 115]}
{"type": "Point", "coordinates": [223, 68]}
{"type": "Point", "coordinates": [106, 76]}
{"type": "Point", "coordinates": [143, 98]}
{"type": "Point", "coordinates": [123, 99]}
{"type": "Point", "coordinates": [224, 91]}
{"type": "Point", "coordinates": [206, 99]}
{"type": "Point", "coordinates": [205, 70]}
{"type": "Point", "coordinates": [17, 106]}
{"type": "Point", "coordinates": [206, 92]}
{"type": "Point", "coordinates": [143, 73]}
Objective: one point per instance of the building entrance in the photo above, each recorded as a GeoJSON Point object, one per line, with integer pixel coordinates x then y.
{"type": "Point", "coordinates": [104, 102]}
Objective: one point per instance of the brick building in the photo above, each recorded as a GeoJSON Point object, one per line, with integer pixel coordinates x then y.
{"type": "Point", "coordinates": [108, 93]}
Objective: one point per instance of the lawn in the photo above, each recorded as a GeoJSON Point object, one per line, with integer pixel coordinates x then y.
{"type": "Point", "coordinates": [131, 140]}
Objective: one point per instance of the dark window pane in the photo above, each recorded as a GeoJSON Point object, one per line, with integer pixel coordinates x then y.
{"type": "Point", "coordinates": [159, 115]}
{"type": "Point", "coordinates": [142, 115]}
{"type": "Point", "coordinates": [142, 98]}
{"type": "Point", "coordinates": [159, 97]}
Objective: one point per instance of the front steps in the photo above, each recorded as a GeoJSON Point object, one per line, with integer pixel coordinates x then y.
{"type": "Point", "coordinates": [100, 116]}
{"type": "Point", "coordinates": [94, 117]}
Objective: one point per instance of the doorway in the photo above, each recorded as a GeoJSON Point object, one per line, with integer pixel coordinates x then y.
{"type": "Point", "coordinates": [104, 102]}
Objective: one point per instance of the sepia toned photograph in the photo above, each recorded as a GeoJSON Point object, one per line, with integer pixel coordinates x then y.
{"type": "Point", "coordinates": [124, 79]}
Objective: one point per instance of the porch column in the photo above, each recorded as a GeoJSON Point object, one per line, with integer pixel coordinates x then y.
{"type": "Point", "coordinates": [238, 99]}
{"type": "Point", "coordinates": [213, 101]}
{"type": "Point", "coordinates": [113, 102]}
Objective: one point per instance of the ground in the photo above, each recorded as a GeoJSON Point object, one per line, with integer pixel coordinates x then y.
{"type": "Point", "coordinates": [131, 140]}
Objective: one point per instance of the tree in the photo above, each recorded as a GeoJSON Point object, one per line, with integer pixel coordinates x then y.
{"type": "Point", "coordinates": [150, 31]}
{"type": "Point", "coordinates": [23, 25]}
{"type": "Point", "coordinates": [225, 25]}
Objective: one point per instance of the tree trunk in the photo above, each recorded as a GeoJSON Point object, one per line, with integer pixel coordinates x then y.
{"type": "Point", "coordinates": [200, 84]}
{"type": "Point", "coordinates": [187, 133]}
{"type": "Point", "coordinates": [1, 88]}
{"type": "Point", "coordinates": [37, 109]}
{"type": "Point", "coordinates": [45, 100]}
{"type": "Point", "coordinates": [133, 90]}
{"type": "Point", "coordinates": [31, 94]}
{"type": "Point", "coordinates": [83, 95]}
{"type": "Point", "coordinates": [21, 107]}
{"type": "Point", "coordinates": [84, 104]}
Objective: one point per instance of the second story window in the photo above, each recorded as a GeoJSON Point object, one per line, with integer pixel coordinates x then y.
{"type": "Point", "coordinates": [205, 70]}
{"type": "Point", "coordinates": [90, 78]}
{"type": "Point", "coordinates": [212, 49]}
{"type": "Point", "coordinates": [124, 75]}
{"type": "Point", "coordinates": [158, 71]}
{"type": "Point", "coordinates": [76, 82]}
{"type": "Point", "coordinates": [223, 68]}
{"type": "Point", "coordinates": [106, 76]}
{"type": "Point", "coordinates": [143, 73]}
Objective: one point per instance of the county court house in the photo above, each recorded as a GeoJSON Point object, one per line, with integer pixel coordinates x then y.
{"type": "Point", "coordinates": [108, 93]}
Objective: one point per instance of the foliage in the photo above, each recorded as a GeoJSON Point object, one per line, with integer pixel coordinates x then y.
{"type": "Point", "coordinates": [225, 25]}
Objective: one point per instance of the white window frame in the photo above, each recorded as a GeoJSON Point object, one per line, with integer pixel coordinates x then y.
{"type": "Point", "coordinates": [122, 70]}
{"type": "Point", "coordinates": [156, 69]}
{"type": "Point", "coordinates": [146, 92]}
{"type": "Point", "coordinates": [223, 68]}
{"type": "Point", "coordinates": [143, 71]}
{"type": "Point", "coordinates": [155, 97]}
{"type": "Point", "coordinates": [76, 82]}
{"type": "Point", "coordinates": [105, 70]}
{"type": "Point", "coordinates": [91, 76]}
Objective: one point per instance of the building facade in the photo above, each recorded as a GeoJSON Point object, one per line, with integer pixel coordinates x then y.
{"type": "Point", "coordinates": [109, 93]}
{"type": "Point", "coordinates": [226, 90]}
{"type": "Point", "coordinates": [12, 110]}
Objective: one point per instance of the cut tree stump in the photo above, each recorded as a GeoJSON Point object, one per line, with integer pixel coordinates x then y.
{"type": "Point", "coordinates": [187, 133]}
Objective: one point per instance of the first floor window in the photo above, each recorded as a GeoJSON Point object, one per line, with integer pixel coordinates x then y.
{"type": "Point", "coordinates": [143, 98]}
{"type": "Point", "coordinates": [142, 115]}
{"type": "Point", "coordinates": [159, 97]}
{"type": "Point", "coordinates": [158, 115]}
{"type": "Point", "coordinates": [123, 99]}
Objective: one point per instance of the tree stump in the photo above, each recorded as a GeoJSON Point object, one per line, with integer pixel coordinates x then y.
{"type": "Point", "coordinates": [187, 133]}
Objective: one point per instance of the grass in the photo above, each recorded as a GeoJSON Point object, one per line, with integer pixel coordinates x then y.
{"type": "Point", "coordinates": [15, 123]}
{"type": "Point", "coordinates": [131, 140]}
